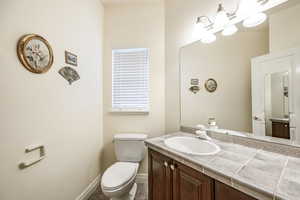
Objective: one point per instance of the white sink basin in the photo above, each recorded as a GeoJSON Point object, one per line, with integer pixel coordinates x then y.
{"type": "Point", "coordinates": [193, 146]}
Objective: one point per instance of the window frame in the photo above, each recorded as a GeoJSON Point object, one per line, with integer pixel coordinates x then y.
{"type": "Point", "coordinates": [136, 110]}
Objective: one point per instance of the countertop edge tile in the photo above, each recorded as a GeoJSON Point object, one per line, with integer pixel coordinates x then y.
{"type": "Point", "coordinates": [252, 190]}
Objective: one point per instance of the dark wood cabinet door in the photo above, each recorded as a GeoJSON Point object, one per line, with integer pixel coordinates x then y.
{"type": "Point", "coordinates": [189, 184]}
{"type": "Point", "coordinates": [281, 130]}
{"type": "Point", "coordinates": [160, 176]}
{"type": "Point", "coordinates": [225, 192]}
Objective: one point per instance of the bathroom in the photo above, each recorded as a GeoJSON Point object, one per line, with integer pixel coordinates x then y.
{"type": "Point", "coordinates": [210, 110]}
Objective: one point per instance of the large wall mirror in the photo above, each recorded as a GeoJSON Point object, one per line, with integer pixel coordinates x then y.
{"type": "Point", "coordinates": [256, 78]}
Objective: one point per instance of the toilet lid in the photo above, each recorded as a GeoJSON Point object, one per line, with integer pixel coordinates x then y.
{"type": "Point", "coordinates": [118, 175]}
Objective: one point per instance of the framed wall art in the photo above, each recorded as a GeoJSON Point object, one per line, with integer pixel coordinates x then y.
{"type": "Point", "coordinates": [35, 53]}
{"type": "Point", "coordinates": [70, 58]}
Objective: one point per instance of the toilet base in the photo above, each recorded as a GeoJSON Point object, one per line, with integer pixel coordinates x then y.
{"type": "Point", "coordinates": [129, 196]}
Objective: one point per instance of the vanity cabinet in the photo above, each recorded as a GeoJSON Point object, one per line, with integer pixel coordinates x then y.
{"type": "Point", "coordinates": [171, 180]}
{"type": "Point", "coordinates": [281, 130]}
{"type": "Point", "coordinates": [160, 177]}
{"type": "Point", "coordinates": [190, 184]}
{"type": "Point", "coordinates": [225, 192]}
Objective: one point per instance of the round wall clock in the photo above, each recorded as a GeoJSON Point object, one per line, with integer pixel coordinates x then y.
{"type": "Point", "coordinates": [35, 53]}
{"type": "Point", "coordinates": [211, 85]}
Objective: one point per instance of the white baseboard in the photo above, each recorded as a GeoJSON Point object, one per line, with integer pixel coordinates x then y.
{"type": "Point", "coordinates": [88, 191]}
{"type": "Point", "coordinates": [141, 178]}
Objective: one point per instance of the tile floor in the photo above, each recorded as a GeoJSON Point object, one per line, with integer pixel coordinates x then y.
{"type": "Point", "coordinates": [142, 193]}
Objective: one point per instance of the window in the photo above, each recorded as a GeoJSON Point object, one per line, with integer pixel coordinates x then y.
{"type": "Point", "coordinates": [130, 80]}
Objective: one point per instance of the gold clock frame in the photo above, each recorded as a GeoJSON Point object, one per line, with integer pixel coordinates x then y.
{"type": "Point", "coordinates": [21, 54]}
{"type": "Point", "coordinates": [209, 89]}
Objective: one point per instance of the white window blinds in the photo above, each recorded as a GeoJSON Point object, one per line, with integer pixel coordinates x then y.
{"type": "Point", "coordinates": [130, 80]}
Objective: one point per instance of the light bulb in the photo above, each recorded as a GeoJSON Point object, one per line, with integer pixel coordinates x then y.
{"type": "Point", "coordinates": [208, 38]}
{"type": "Point", "coordinates": [199, 29]}
{"type": "Point", "coordinates": [255, 20]}
{"type": "Point", "coordinates": [221, 17]}
{"type": "Point", "coordinates": [229, 30]}
{"type": "Point", "coordinates": [248, 7]}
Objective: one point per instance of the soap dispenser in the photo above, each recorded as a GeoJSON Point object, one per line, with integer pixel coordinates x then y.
{"type": "Point", "coordinates": [212, 123]}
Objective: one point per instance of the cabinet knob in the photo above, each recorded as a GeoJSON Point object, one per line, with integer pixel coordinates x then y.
{"type": "Point", "coordinates": [166, 164]}
{"type": "Point", "coordinates": [172, 167]}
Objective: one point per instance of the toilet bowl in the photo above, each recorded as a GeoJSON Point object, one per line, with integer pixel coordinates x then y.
{"type": "Point", "coordinates": [118, 181]}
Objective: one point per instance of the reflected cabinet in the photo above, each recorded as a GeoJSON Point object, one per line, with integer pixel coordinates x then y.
{"type": "Point", "coordinates": [172, 180]}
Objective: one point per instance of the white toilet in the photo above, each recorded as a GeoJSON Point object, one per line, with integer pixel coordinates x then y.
{"type": "Point", "coordinates": [118, 181]}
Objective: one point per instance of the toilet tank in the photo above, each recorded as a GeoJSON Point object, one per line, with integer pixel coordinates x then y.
{"type": "Point", "coordinates": [130, 147]}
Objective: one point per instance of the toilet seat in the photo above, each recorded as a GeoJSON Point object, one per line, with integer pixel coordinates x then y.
{"type": "Point", "coordinates": [118, 175]}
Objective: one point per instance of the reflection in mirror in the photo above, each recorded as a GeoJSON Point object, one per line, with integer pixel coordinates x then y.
{"type": "Point", "coordinates": [255, 71]}
{"type": "Point", "coordinates": [277, 104]}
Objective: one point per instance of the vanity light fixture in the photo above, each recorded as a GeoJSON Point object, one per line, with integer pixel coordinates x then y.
{"type": "Point", "coordinates": [222, 21]}
{"type": "Point", "coordinates": [229, 30]}
{"type": "Point", "coordinates": [248, 11]}
{"type": "Point", "coordinates": [204, 27]}
{"type": "Point", "coordinates": [222, 17]}
{"type": "Point", "coordinates": [255, 20]}
{"type": "Point", "coordinates": [208, 38]}
{"type": "Point", "coordinates": [254, 16]}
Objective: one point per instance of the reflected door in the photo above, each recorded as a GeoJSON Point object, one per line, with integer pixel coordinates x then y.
{"type": "Point", "coordinates": [271, 83]}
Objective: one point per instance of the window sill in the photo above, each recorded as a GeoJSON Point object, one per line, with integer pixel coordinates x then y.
{"type": "Point", "coordinates": [131, 112]}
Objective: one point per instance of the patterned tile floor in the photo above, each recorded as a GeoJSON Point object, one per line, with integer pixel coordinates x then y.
{"type": "Point", "coordinates": [141, 194]}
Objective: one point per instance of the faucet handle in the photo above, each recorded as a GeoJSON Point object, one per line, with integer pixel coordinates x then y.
{"type": "Point", "coordinates": [202, 135]}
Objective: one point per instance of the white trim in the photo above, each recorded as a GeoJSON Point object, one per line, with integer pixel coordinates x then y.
{"type": "Point", "coordinates": [141, 178]}
{"type": "Point", "coordinates": [88, 191]}
{"type": "Point", "coordinates": [294, 54]}
{"type": "Point", "coordinates": [130, 111]}
{"type": "Point", "coordinates": [130, 66]}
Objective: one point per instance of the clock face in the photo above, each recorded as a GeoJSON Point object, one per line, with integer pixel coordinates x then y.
{"type": "Point", "coordinates": [35, 53]}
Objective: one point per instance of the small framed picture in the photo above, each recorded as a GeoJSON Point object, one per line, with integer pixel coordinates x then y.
{"type": "Point", "coordinates": [71, 58]}
{"type": "Point", "coordinates": [194, 81]}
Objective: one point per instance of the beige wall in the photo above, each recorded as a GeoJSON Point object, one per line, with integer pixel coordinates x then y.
{"type": "Point", "coordinates": [45, 109]}
{"type": "Point", "coordinates": [285, 29]}
{"type": "Point", "coordinates": [134, 25]}
{"type": "Point", "coordinates": [180, 20]}
{"type": "Point", "coordinates": [228, 61]}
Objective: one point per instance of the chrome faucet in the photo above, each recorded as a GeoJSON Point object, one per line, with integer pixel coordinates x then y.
{"type": "Point", "coordinates": [201, 133]}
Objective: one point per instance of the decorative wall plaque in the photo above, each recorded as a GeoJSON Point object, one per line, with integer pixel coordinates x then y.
{"type": "Point", "coordinates": [35, 53]}
{"type": "Point", "coordinates": [69, 74]}
{"type": "Point", "coordinates": [195, 89]}
{"type": "Point", "coordinates": [211, 85]}
{"type": "Point", "coordinates": [194, 81]}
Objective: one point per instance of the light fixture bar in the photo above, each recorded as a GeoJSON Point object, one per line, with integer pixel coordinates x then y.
{"type": "Point", "coordinates": [208, 24]}
{"type": "Point", "coordinates": [233, 18]}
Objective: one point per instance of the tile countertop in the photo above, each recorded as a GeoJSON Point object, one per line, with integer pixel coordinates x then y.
{"type": "Point", "coordinates": [254, 171]}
